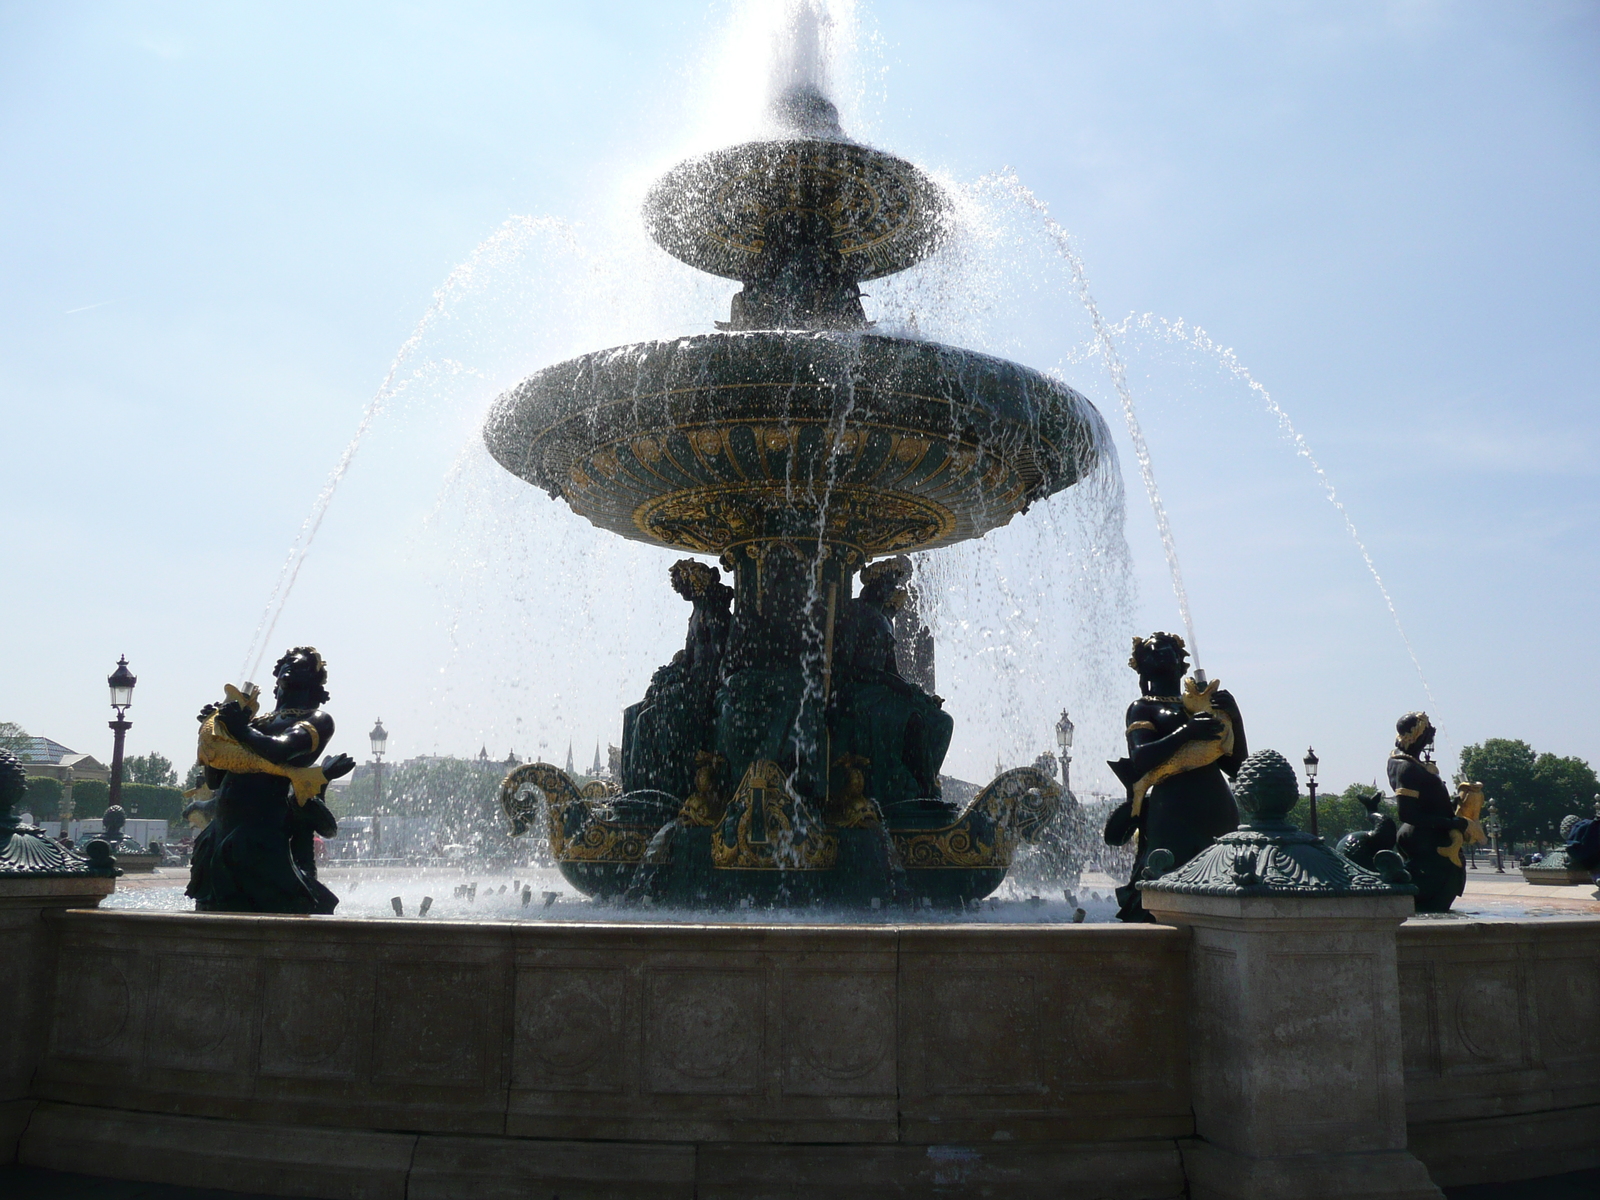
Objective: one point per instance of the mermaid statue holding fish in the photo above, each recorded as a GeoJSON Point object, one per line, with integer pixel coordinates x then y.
{"type": "Point", "coordinates": [1185, 741]}
{"type": "Point", "coordinates": [268, 786]}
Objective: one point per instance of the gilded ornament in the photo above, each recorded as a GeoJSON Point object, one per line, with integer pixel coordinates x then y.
{"type": "Point", "coordinates": [766, 828]}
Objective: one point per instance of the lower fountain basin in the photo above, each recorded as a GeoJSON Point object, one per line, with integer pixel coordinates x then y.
{"type": "Point", "coordinates": [880, 443]}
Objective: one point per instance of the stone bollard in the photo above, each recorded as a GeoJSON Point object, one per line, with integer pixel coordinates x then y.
{"type": "Point", "coordinates": [1295, 1056]}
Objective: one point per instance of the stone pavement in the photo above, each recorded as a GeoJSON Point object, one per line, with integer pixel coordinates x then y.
{"type": "Point", "coordinates": [29, 1183]}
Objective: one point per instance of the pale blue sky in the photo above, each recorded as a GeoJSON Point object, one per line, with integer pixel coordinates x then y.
{"type": "Point", "coordinates": [221, 222]}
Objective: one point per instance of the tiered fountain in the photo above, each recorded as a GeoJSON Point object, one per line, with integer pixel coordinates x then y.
{"type": "Point", "coordinates": [782, 755]}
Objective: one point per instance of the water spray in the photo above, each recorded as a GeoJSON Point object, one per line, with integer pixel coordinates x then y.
{"type": "Point", "coordinates": [1119, 380]}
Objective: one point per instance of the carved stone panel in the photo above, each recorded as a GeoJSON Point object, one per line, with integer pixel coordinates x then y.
{"type": "Point", "coordinates": [838, 1033]}
{"type": "Point", "coordinates": [569, 1029]}
{"type": "Point", "coordinates": [703, 1031]}
{"type": "Point", "coordinates": [1108, 1039]}
{"type": "Point", "coordinates": [433, 1023]}
{"type": "Point", "coordinates": [312, 1012]}
{"type": "Point", "coordinates": [1483, 1010]}
{"type": "Point", "coordinates": [97, 1006]}
{"type": "Point", "coordinates": [982, 1034]}
{"type": "Point", "coordinates": [1419, 1019]}
{"type": "Point", "coordinates": [1569, 1002]}
{"type": "Point", "coordinates": [204, 1006]}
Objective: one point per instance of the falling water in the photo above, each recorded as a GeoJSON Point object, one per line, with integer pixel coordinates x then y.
{"type": "Point", "coordinates": [1119, 379]}
{"type": "Point", "coordinates": [493, 247]}
{"type": "Point", "coordinates": [1198, 338]}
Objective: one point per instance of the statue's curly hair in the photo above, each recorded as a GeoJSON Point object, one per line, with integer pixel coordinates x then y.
{"type": "Point", "coordinates": [1410, 729]}
{"type": "Point", "coordinates": [319, 676]}
{"type": "Point", "coordinates": [880, 580]}
{"type": "Point", "coordinates": [692, 578]}
{"type": "Point", "coordinates": [1142, 646]}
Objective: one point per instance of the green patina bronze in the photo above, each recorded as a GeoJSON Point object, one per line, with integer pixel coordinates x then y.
{"type": "Point", "coordinates": [25, 850]}
{"type": "Point", "coordinates": [1269, 856]}
{"type": "Point", "coordinates": [781, 755]}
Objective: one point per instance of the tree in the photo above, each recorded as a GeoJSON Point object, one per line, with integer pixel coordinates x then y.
{"type": "Point", "coordinates": [1530, 791]}
{"type": "Point", "coordinates": [1337, 814]}
{"type": "Point", "coordinates": [1505, 768]}
{"type": "Point", "coordinates": [43, 798]}
{"type": "Point", "coordinates": [195, 777]}
{"type": "Point", "coordinates": [150, 768]}
{"type": "Point", "coordinates": [1566, 785]}
{"type": "Point", "coordinates": [14, 737]}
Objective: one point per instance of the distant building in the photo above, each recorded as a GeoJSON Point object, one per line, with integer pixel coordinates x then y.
{"type": "Point", "coordinates": [44, 757]}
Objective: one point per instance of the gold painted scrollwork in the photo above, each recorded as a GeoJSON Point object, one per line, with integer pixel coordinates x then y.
{"type": "Point", "coordinates": [766, 828]}
{"type": "Point", "coordinates": [1014, 808]}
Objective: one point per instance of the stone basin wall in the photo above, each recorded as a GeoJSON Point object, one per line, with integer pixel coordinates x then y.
{"type": "Point", "coordinates": [349, 1058]}
{"type": "Point", "coordinates": [1500, 1022]}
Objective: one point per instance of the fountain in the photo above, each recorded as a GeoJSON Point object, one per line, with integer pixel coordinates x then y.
{"type": "Point", "coordinates": [781, 756]}
{"type": "Point", "coordinates": [791, 754]}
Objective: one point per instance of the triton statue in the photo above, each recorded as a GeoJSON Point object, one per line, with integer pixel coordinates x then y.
{"type": "Point", "coordinates": [1431, 828]}
{"type": "Point", "coordinates": [256, 855]}
{"type": "Point", "coordinates": [1184, 737]}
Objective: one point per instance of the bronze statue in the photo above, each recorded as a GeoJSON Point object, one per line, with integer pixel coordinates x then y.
{"type": "Point", "coordinates": [899, 731]}
{"type": "Point", "coordinates": [112, 824]}
{"type": "Point", "coordinates": [1185, 740]}
{"type": "Point", "coordinates": [1362, 845]}
{"type": "Point", "coordinates": [1431, 828]}
{"type": "Point", "coordinates": [263, 771]}
{"type": "Point", "coordinates": [677, 717]}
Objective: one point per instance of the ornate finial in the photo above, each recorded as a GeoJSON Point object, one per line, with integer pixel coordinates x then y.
{"type": "Point", "coordinates": [1270, 857]}
{"type": "Point", "coordinates": [1266, 788]}
{"type": "Point", "coordinates": [13, 787]}
{"type": "Point", "coordinates": [25, 850]}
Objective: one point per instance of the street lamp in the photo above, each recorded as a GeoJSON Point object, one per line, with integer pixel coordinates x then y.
{"type": "Point", "coordinates": [1492, 827]}
{"type": "Point", "coordinates": [379, 737]}
{"type": "Point", "coordinates": [121, 683]}
{"type": "Point", "coordinates": [1064, 729]}
{"type": "Point", "coordinates": [1311, 785]}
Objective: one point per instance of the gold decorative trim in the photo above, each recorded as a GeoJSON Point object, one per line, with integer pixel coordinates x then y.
{"type": "Point", "coordinates": [708, 519]}
{"type": "Point", "coordinates": [1017, 805]}
{"type": "Point", "coordinates": [706, 804]}
{"type": "Point", "coordinates": [767, 829]}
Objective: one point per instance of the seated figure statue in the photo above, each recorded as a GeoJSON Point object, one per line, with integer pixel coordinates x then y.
{"type": "Point", "coordinates": [900, 731]}
{"type": "Point", "coordinates": [677, 717]}
{"type": "Point", "coordinates": [1184, 743]}
{"type": "Point", "coordinates": [1428, 817]}
{"type": "Point", "coordinates": [259, 766]}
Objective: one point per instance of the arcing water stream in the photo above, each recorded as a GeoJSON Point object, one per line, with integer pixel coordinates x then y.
{"type": "Point", "coordinates": [1033, 617]}
{"type": "Point", "coordinates": [497, 247]}
{"type": "Point", "coordinates": [1194, 336]}
{"type": "Point", "coordinates": [1115, 367]}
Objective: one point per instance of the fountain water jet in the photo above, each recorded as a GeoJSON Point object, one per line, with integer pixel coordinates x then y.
{"type": "Point", "coordinates": [781, 754]}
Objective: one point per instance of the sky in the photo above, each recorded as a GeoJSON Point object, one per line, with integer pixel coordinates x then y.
{"type": "Point", "coordinates": [222, 224]}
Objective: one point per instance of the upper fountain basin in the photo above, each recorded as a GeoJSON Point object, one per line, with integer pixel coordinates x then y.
{"type": "Point", "coordinates": [876, 443]}
{"type": "Point", "coordinates": [716, 212]}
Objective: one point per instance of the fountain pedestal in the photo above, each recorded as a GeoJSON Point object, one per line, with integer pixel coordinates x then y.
{"type": "Point", "coordinates": [37, 876]}
{"type": "Point", "coordinates": [1295, 1056]}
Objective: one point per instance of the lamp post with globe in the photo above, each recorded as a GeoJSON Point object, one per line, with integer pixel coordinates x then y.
{"type": "Point", "coordinates": [1064, 729]}
{"type": "Point", "coordinates": [1311, 785]}
{"type": "Point", "coordinates": [121, 682]}
{"type": "Point", "coordinates": [379, 737]}
{"type": "Point", "coordinates": [1492, 827]}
